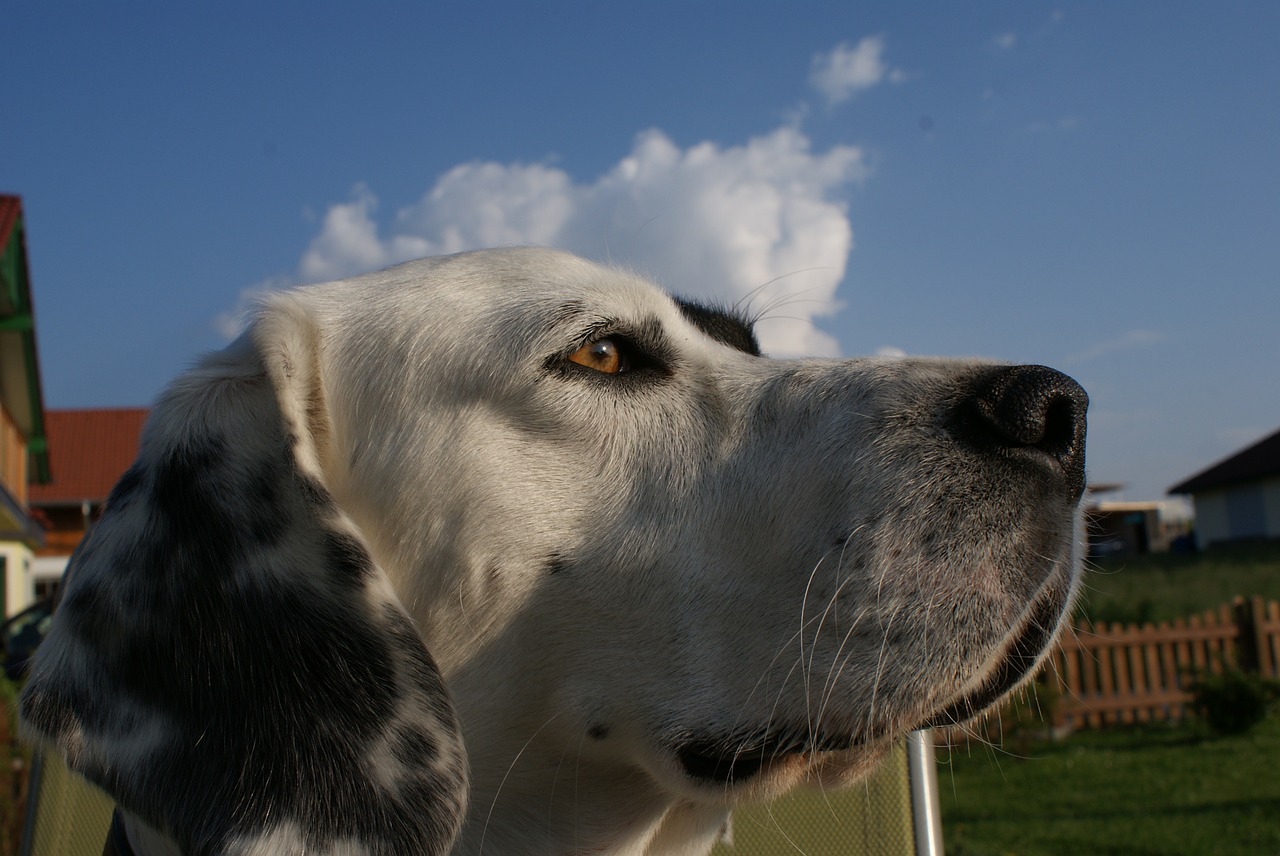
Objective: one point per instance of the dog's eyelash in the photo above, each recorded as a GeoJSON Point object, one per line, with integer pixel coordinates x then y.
{"type": "Point", "coordinates": [614, 356]}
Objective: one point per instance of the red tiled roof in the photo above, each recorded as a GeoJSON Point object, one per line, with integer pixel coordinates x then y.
{"type": "Point", "coordinates": [88, 452]}
{"type": "Point", "coordinates": [1258, 461]}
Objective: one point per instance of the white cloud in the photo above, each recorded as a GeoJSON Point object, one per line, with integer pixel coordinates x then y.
{"type": "Point", "coordinates": [1123, 342]}
{"type": "Point", "coordinates": [1006, 41]}
{"type": "Point", "coordinates": [229, 324]}
{"type": "Point", "coordinates": [348, 241]}
{"type": "Point", "coordinates": [763, 223]}
{"type": "Point", "coordinates": [844, 71]}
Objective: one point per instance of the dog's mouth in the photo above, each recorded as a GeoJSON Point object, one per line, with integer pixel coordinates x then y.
{"type": "Point", "coordinates": [733, 760]}
{"type": "Point", "coordinates": [726, 760]}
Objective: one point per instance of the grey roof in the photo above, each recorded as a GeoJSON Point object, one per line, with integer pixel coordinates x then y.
{"type": "Point", "coordinates": [1258, 461]}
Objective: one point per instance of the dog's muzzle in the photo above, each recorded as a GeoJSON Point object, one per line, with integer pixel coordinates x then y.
{"type": "Point", "coordinates": [1032, 418]}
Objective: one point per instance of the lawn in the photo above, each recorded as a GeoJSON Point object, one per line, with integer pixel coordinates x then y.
{"type": "Point", "coordinates": [1154, 790]}
{"type": "Point", "coordinates": [1163, 587]}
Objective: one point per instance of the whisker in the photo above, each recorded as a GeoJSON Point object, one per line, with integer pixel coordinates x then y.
{"type": "Point", "coordinates": [489, 817]}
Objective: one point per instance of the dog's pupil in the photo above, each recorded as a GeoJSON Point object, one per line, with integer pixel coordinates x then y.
{"type": "Point", "coordinates": [607, 356]}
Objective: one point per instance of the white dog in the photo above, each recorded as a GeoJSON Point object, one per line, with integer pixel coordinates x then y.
{"type": "Point", "coordinates": [509, 553]}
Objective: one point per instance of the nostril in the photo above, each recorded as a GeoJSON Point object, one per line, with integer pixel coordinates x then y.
{"type": "Point", "coordinates": [1062, 424]}
{"type": "Point", "coordinates": [1033, 407]}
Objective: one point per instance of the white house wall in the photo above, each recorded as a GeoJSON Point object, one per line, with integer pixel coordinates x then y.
{"type": "Point", "coordinates": [1256, 512]}
{"type": "Point", "coordinates": [1271, 498]}
{"type": "Point", "coordinates": [1211, 517]}
{"type": "Point", "coordinates": [19, 590]}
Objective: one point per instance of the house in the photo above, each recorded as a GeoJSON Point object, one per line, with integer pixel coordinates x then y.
{"type": "Point", "coordinates": [89, 451]}
{"type": "Point", "coordinates": [1124, 528]}
{"type": "Point", "coordinates": [1238, 499]}
{"type": "Point", "coordinates": [24, 456]}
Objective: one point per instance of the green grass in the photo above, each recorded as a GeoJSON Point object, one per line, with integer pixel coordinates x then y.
{"type": "Point", "coordinates": [1164, 587]}
{"type": "Point", "coordinates": [1154, 790]}
{"type": "Point", "coordinates": [1157, 789]}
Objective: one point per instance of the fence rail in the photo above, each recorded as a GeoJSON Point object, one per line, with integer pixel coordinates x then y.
{"type": "Point", "coordinates": [1109, 674]}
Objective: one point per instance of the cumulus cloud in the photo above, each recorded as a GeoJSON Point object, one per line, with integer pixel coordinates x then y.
{"type": "Point", "coordinates": [844, 71]}
{"type": "Point", "coordinates": [229, 324]}
{"type": "Point", "coordinates": [762, 224]}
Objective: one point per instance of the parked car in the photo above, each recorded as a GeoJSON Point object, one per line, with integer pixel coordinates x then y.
{"type": "Point", "coordinates": [22, 634]}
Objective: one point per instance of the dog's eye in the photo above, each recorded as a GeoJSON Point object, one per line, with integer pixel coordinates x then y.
{"type": "Point", "coordinates": [607, 356]}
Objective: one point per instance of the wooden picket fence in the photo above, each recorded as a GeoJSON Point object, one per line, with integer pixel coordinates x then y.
{"type": "Point", "coordinates": [1108, 674]}
{"type": "Point", "coordinates": [14, 769]}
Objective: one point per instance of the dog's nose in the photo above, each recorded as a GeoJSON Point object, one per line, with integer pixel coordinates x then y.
{"type": "Point", "coordinates": [1037, 409]}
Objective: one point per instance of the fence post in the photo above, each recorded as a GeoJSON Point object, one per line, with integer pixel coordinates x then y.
{"type": "Point", "coordinates": [1250, 650]}
{"type": "Point", "coordinates": [1265, 614]}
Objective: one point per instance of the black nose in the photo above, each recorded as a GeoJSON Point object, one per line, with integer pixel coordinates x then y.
{"type": "Point", "coordinates": [1032, 409]}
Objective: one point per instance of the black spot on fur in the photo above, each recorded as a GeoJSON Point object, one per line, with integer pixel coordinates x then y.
{"type": "Point", "coordinates": [422, 669]}
{"type": "Point", "coordinates": [91, 614]}
{"type": "Point", "coordinates": [314, 494]}
{"type": "Point", "coordinates": [346, 558]}
{"type": "Point", "coordinates": [599, 731]}
{"type": "Point", "coordinates": [556, 564]}
{"type": "Point", "coordinates": [126, 487]}
{"type": "Point", "coordinates": [724, 325]}
{"type": "Point", "coordinates": [413, 746]}
{"type": "Point", "coordinates": [260, 661]}
{"type": "Point", "coordinates": [195, 501]}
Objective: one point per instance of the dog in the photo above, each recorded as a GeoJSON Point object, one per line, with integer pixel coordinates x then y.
{"type": "Point", "coordinates": [510, 553]}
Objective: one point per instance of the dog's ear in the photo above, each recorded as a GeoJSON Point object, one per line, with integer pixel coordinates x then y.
{"type": "Point", "coordinates": [228, 661]}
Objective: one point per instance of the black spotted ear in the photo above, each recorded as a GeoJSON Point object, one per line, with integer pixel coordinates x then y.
{"type": "Point", "coordinates": [228, 662]}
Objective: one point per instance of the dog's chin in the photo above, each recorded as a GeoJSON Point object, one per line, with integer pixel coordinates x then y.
{"type": "Point", "coordinates": [728, 761]}
{"type": "Point", "coordinates": [1019, 658]}
{"type": "Point", "coordinates": [707, 773]}
{"type": "Point", "coordinates": [769, 761]}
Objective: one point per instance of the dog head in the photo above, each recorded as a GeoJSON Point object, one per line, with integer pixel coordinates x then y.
{"type": "Point", "coordinates": [520, 502]}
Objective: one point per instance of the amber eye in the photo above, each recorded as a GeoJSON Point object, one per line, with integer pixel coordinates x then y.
{"type": "Point", "coordinates": [602, 355]}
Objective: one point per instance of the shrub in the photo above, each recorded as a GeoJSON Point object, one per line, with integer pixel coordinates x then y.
{"type": "Point", "coordinates": [1232, 701]}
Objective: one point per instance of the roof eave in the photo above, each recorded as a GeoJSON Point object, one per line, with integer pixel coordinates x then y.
{"type": "Point", "coordinates": [21, 390]}
{"type": "Point", "coordinates": [16, 524]}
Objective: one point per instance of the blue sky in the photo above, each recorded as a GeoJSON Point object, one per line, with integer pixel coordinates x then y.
{"type": "Point", "coordinates": [1091, 186]}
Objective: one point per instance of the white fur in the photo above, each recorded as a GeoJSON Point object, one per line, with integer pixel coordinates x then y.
{"type": "Point", "coordinates": [604, 568]}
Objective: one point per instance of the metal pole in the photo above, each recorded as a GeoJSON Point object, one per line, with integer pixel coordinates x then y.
{"type": "Point", "coordinates": [922, 770]}
{"type": "Point", "coordinates": [32, 807]}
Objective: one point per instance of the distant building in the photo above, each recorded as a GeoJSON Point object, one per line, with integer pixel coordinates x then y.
{"type": "Point", "coordinates": [1122, 528]}
{"type": "Point", "coordinates": [1238, 499]}
{"type": "Point", "coordinates": [24, 457]}
{"type": "Point", "coordinates": [89, 451]}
